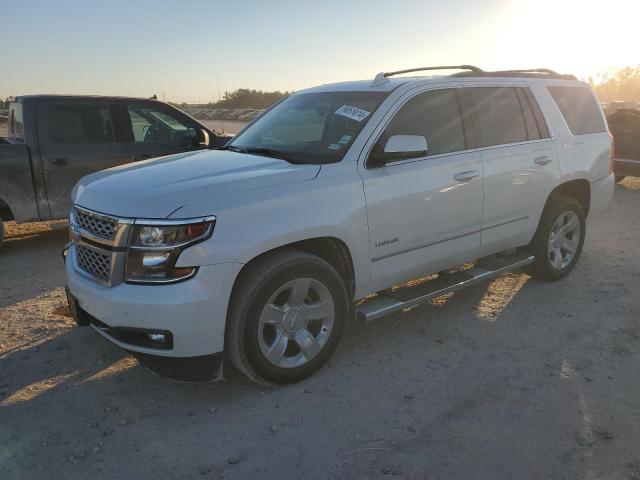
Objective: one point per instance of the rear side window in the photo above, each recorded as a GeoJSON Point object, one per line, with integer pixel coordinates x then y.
{"type": "Point", "coordinates": [434, 115]}
{"type": "Point", "coordinates": [499, 116]}
{"type": "Point", "coordinates": [579, 108]}
{"type": "Point", "coordinates": [79, 124]}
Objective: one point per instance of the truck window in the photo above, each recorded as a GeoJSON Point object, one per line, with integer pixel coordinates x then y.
{"type": "Point", "coordinates": [579, 108]}
{"type": "Point", "coordinates": [434, 115]}
{"type": "Point", "coordinates": [499, 116]}
{"type": "Point", "coordinates": [16, 123]}
{"type": "Point", "coordinates": [79, 124]}
{"type": "Point", "coordinates": [153, 125]}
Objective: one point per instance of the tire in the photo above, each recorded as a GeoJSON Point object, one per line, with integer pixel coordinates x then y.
{"type": "Point", "coordinates": [556, 245]}
{"type": "Point", "coordinates": [271, 315]}
{"type": "Point", "coordinates": [620, 178]}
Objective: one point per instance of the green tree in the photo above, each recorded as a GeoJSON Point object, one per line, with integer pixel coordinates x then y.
{"type": "Point", "coordinates": [246, 98]}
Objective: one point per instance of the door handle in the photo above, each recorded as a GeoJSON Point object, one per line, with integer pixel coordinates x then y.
{"type": "Point", "coordinates": [141, 156]}
{"type": "Point", "coordinates": [542, 160]}
{"type": "Point", "coordinates": [60, 162]}
{"type": "Point", "coordinates": [466, 176]}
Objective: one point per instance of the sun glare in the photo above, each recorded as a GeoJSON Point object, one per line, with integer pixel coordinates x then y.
{"type": "Point", "coordinates": [573, 36]}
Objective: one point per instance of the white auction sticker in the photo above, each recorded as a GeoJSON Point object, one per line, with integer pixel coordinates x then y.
{"type": "Point", "coordinates": [354, 113]}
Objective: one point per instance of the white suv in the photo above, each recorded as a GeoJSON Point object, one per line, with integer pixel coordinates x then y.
{"type": "Point", "coordinates": [258, 252]}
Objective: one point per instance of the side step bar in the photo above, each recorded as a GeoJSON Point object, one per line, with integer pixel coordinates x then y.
{"type": "Point", "coordinates": [485, 269]}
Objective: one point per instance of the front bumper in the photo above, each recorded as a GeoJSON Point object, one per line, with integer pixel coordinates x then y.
{"type": "Point", "coordinates": [194, 312]}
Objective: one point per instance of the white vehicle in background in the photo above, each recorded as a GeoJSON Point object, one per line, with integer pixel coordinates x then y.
{"type": "Point", "coordinates": [257, 253]}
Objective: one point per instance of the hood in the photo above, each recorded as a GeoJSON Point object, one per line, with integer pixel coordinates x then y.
{"type": "Point", "coordinates": [156, 188]}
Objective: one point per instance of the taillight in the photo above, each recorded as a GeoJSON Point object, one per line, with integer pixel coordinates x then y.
{"type": "Point", "coordinates": [612, 168]}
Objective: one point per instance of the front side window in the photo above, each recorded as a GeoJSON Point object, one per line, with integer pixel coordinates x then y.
{"type": "Point", "coordinates": [310, 127]}
{"type": "Point", "coordinates": [152, 125]}
{"type": "Point", "coordinates": [434, 115]}
{"type": "Point", "coordinates": [79, 124]}
{"type": "Point", "coordinates": [579, 108]}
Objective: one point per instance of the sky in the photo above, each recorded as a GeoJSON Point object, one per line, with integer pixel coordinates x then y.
{"type": "Point", "coordinates": [182, 50]}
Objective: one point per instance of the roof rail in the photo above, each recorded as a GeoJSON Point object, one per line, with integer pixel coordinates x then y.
{"type": "Point", "coordinates": [382, 76]}
{"type": "Point", "coordinates": [525, 72]}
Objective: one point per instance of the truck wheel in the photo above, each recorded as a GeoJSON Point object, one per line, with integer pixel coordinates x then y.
{"type": "Point", "coordinates": [558, 242]}
{"type": "Point", "coordinates": [619, 178]}
{"type": "Point", "coordinates": [286, 317]}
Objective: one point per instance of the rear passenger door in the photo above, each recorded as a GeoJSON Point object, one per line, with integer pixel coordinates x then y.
{"type": "Point", "coordinates": [76, 138]}
{"type": "Point", "coordinates": [424, 213]}
{"type": "Point", "coordinates": [519, 162]}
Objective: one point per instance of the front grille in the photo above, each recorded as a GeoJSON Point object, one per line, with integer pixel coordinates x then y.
{"type": "Point", "coordinates": [96, 264]}
{"type": "Point", "coordinates": [99, 225]}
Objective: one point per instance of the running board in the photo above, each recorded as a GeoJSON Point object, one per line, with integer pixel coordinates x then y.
{"type": "Point", "coordinates": [485, 269]}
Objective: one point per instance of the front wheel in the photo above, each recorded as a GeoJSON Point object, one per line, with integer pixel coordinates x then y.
{"type": "Point", "coordinates": [558, 242]}
{"type": "Point", "coordinates": [286, 316]}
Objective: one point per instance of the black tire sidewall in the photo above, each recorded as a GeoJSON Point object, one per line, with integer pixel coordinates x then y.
{"type": "Point", "coordinates": [543, 267]}
{"type": "Point", "coordinates": [332, 281]}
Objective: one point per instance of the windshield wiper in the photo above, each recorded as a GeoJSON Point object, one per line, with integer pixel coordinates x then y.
{"type": "Point", "coordinates": [268, 152]}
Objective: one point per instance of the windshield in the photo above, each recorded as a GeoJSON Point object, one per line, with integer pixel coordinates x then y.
{"type": "Point", "coordinates": [310, 127]}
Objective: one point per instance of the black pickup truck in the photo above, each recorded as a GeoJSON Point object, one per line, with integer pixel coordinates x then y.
{"type": "Point", "coordinates": [625, 128]}
{"type": "Point", "coordinates": [55, 140]}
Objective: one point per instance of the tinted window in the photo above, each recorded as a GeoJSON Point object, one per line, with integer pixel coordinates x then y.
{"type": "Point", "coordinates": [580, 110]}
{"type": "Point", "coordinates": [530, 103]}
{"type": "Point", "coordinates": [153, 125]}
{"type": "Point", "coordinates": [498, 115]}
{"type": "Point", "coordinates": [434, 115]}
{"type": "Point", "coordinates": [79, 124]}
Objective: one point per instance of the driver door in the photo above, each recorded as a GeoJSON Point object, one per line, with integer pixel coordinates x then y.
{"type": "Point", "coordinates": [425, 214]}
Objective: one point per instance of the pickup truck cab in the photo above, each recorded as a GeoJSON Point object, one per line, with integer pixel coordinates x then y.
{"type": "Point", "coordinates": [625, 128]}
{"type": "Point", "coordinates": [55, 140]}
{"type": "Point", "coordinates": [326, 205]}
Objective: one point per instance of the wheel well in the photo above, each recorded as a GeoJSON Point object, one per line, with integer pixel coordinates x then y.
{"type": "Point", "coordinates": [5, 211]}
{"type": "Point", "coordinates": [578, 189]}
{"type": "Point", "coordinates": [331, 250]}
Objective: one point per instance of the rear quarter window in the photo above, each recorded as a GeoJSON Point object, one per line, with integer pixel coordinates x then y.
{"type": "Point", "coordinates": [579, 108]}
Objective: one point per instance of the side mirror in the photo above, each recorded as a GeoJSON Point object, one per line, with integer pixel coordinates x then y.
{"type": "Point", "coordinates": [399, 147]}
{"type": "Point", "coordinates": [203, 138]}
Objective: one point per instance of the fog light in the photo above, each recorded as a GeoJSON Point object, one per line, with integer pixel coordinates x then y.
{"type": "Point", "coordinates": [157, 337]}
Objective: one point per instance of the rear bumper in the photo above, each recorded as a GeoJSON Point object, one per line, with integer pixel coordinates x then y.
{"type": "Point", "coordinates": [627, 167]}
{"type": "Point", "coordinates": [601, 194]}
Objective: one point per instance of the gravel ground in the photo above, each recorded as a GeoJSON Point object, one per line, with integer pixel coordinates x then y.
{"type": "Point", "coordinates": [514, 379]}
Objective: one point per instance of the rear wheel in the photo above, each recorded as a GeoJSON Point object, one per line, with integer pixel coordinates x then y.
{"type": "Point", "coordinates": [286, 316]}
{"type": "Point", "coordinates": [558, 242]}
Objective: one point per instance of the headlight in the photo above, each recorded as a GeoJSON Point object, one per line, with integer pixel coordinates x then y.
{"type": "Point", "coordinates": [154, 248]}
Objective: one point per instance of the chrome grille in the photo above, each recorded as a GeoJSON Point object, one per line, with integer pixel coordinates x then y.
{"type": "Point", "coordinates": [96, 264]}
{"type": "Point", "coordinates": [99, 225]}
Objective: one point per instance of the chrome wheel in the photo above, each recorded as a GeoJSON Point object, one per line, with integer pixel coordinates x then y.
{"type": "Point", "coordinates": [296, 322]}
{"type": "Point", "coordinates": [564, 240]}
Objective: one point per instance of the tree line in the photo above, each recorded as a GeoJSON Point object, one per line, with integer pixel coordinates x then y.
{"type": "Point", "coordinates": [243, 98]}
{"type": "Point", "coordinates": [622, 84]}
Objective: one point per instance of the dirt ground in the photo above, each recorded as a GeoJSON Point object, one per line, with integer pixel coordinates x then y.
{"type": "Point", "coordinates": [514, 379]}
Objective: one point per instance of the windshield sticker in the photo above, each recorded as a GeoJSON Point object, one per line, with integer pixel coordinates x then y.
{"type": "Point", "coordinates": [335, 146]}
{"type": "Point", "coordinates": [344, 140]}
{"type": "Point", "coordinates": [354, 113]}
